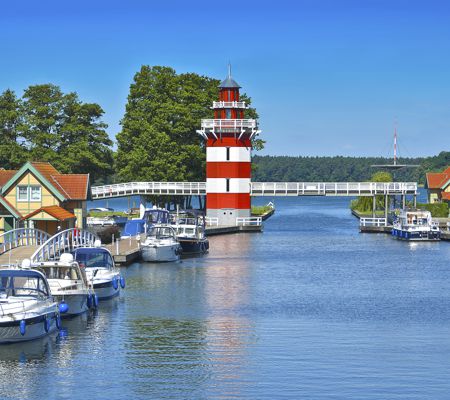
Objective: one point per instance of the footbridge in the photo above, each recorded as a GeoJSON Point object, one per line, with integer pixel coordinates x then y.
{"type": "Point", "coordinates": [37, 245]}
{"type": "Point", "coordinates": [259, 189]}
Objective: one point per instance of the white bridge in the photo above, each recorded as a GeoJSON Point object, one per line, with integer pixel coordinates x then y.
{"type": "Point", "coordinates": [259, 189]}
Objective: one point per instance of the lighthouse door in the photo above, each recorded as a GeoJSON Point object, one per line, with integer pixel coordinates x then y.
{"type": "Point", "coordinates": [228, 216]}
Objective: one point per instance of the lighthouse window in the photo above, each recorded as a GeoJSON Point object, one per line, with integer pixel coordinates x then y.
{"type": "Point", "coordinates": [228, 113]}
{"type": "Point", "coordinates": [228, 154]}
{"type": "Point", "coordinates": [228, 185]}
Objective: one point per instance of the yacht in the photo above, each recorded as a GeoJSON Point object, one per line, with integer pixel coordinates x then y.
{"type": "Point", "coordinates": [69, 285]}
{"type": "Point", "coordinates": [27, 308]}
{"type": "Point", "coordinates": [190, 230]}
{"type": "Point", "coordinates": [100, 269]}
{"type": "Point", "coordinates": [161, 244]}
{"type": "Point", "coordinates": [415, 225]}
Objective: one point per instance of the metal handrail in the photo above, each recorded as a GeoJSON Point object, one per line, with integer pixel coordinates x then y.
{"type": "Point", "coordinates": [229, 104]}
{"type": "Point", "coordinates": [63, 241]}
{"type": "Point", "coordinates": [212, 221]}
{"type": "Point", "coordinates": [22, 237]}
{"type": "Point", "coordinates": [366, 221]}
{"type": "Point", "coordinates": [249, 221]}
{"type": "Point", "coordinates": [228, 123]}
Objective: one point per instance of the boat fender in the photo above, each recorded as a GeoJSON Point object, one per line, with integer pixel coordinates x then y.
{"type": "Point", "coordinates": [63, 307]}
{"type": "Point", "coordinates": [115, 283]}
{"type": "Point", "coordinates": [95, 300]}
{"type": "Point", "coordinates": [47, 324]}
{"type": "Point", "coordinates": [58, 321]}
{"type": "Point", "coordinates": [23, 327]}
{"type": "Point", "coordinates": [122, 282]}
{"type": "Point", "coordinates": [89, 300]}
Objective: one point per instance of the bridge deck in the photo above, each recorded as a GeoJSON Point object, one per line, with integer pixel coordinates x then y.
{"type": "Point", "coordinates": [259, 189]}
{"type": "Point", "coordinates": [17, 254]}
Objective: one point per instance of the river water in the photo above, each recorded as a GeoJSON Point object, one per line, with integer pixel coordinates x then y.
{"type": "Point", "coordinates": [309, 309]}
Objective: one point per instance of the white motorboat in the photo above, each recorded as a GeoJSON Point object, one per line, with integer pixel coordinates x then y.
{"type": "Point", "coordinates": [68, 285]}
{"type": "Point", "coordinates": [100, 270]}
{"type": "Point", "coordinates": [27, 308]}
{"type": "Point", "coordinates": [161, 244]}
{"type": "Point", "coordinates": [415, 225]}
{"type": "Point", "coordinates": [191, 232]}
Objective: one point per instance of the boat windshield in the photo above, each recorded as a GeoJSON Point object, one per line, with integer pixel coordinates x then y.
{"type": "Point", "coordinates": [17, 284]}
{"type": "Point", "coordinates": [161, 232]}
{"type": "Point", "coordinates": [61, 272]}
{"type": "Point", "coordinates": [94, 258]}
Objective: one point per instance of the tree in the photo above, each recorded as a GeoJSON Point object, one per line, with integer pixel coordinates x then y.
{"type": "Point", "coordinates": [12, 151]}
{"type": "Point", "coordinates": [66, 132]}
{"type": "Point", "coordinates": [158, 140]}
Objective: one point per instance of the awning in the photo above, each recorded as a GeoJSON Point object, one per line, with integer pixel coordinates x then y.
{"type": "Point", "coordinates": [50, 213]}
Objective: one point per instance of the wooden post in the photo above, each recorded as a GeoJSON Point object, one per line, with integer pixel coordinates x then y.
{"type": "Point", "coordinates": [386, 206]}
{"type": "Point", "coordinates": [374, 206]}
{"type": "Point", "coordinates": [403, 201]}
{"type": "Point", "coordinates": [415, 201]}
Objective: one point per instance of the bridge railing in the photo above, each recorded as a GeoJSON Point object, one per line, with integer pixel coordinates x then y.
{"type": "Point", "coordinates": [63, 241]}
{"type": "Point", "coordinates": [22, 237]}
{"type": "Point", "coordinates": [373, 222]}
{"type": "Point", "coordinates": [249, 221]}
{"type": "Point", "coordinates": [332, 188]}
{"type": "Point", "coordinates": [164, 188]}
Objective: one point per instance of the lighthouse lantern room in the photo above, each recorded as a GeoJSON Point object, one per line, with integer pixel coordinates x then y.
{"type": "Point", "coordinates": [228, 155]}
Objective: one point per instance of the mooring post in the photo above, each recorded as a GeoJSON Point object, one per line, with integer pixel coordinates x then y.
{"type": "Point", "coordinates": [117, 247]}
{"type": "Point", "coordinates": [403, 201]}
{"type": "Point", "coordinates": [386, 206]}
{"type": "Point", "coordinates": [374, 206]}
{"type": "Point", "coordinates": [415, 201]}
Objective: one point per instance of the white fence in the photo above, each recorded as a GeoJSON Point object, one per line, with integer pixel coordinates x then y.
{"type": "Point", "coordinates": [22, 237]}
{"type": "Point", "coordinates": [212, 221]}
{"type": "Point", "coordinates": [373, 222]}
{"type": "Point", "coordinates": [249, 221]}
{"type": "Point", "coordinates": [62, 242]}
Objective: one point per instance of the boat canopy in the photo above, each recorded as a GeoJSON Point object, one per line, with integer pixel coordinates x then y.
{"type": "Point", "coordinates": [23, 283]}
{"type": "Point", "coordinates": [93, 257]}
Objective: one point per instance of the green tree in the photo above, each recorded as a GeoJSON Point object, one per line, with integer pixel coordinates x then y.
{"type": "Point", "coordinates": [66, 132]}
{"type": "Point", "coordinates": [158, 140]}
{"type": "Point", "coordinates": [12, 151]}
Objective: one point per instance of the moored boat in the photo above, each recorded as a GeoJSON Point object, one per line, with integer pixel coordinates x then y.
{"type": "Point", "coordinates": [100, 270]}
{"type": "Point", "coordinates": [69, 285]}
{"type": "Point", "coordinates": [161, 245]}
{"type": "Point", "coordinates": [415, 225]}
{"type": "Point", "coordinates": [27, 308]}
{"type": "Point", "coordinates": [190, 231]}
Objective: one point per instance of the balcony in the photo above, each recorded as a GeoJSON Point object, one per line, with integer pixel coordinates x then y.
{"type": "Point", "coordinates": [225, 124]}
{"type": "Point", "coordinates": [229, 104]}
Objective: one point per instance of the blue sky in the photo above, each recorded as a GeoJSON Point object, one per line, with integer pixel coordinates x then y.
{"type": "Point", "coordinates": [327, 77]}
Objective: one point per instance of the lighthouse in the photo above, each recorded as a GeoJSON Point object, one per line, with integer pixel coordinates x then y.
{"type": "Point", "coordinates": [228, 155]}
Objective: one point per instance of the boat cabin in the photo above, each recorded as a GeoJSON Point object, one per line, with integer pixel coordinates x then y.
{"type": "Point", "coordinates": [94, 257]}
{"type": "Point", "coordinates": [23, 283]}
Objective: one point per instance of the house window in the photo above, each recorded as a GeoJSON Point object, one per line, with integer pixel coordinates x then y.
{"type": "Point", "coordinates": [22, 193]}
{"type": "Point", "coordinates": [35, 193]}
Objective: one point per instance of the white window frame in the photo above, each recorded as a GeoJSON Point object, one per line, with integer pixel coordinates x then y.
{"type": "Point", "coordinates": [18, 193]}
{"type": "Point", "coordinates": [31, 193]}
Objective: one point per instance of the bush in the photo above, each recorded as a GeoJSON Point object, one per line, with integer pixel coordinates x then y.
{"type": "Point", "coordinates": [106, 234]}
{"type": "Point", "coordinates": [438, 210]}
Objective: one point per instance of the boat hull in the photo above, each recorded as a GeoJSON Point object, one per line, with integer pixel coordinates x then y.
{"type": "Point", "coordinates": [35, 328]}
{"type": "Point", "coordinates": [418, 236]}
{"type": "Point", "coordinates": [161, 253]}
{"type": "Point", "coordinates": [77, 304]}
{"type": "Point", "coordinates": [194, 246]}
{"type": "Point", "coordinates": [106, 290]}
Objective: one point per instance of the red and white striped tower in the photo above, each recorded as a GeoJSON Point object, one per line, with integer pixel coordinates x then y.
{"type": "Point", "coordinates": [228, 156]}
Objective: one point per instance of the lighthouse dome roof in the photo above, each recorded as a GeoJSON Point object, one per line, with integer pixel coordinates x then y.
{"type": "Point", "coordinates": [229, 82]}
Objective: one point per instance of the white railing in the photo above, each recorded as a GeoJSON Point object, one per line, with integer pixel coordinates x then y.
{"type": "Point", "coordinates": [150, 188]}
{"type": "Point", "coordinates": [63, 241]}
{"type": "Point", "coordinates": [229, 104]}
{"type": "Point", "coordinates": [22, 237]}
{"type": "Point", "coordinates": [212, 221]}
{"type": "Point", "coordinates": [249, 221]}
{"type": "Point", "coordinates": [331, 188]}
{"type": "Point", "coordinates": [373, 222]}
{"type": "Point", "coordinates": [259, 189]}
{"type": "Point", "coordinates": [228, 124]}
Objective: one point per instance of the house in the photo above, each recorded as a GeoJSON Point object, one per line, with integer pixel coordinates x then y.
{"type": "Point", "coordinates": [438, 186]}
{"type": "Point", "coordinates": [37, 195]}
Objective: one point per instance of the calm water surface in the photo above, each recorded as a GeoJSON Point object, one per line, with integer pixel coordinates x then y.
{"type": "Point", "coordinates": [309, 309]}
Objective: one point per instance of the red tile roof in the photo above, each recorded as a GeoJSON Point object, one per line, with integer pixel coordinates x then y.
{"type": "Point", "coordinates": [6, 175]}
{"type": "Point", "coordinates": [435, 180]}
{"type": "Point", "coordinates": [446, 196]}
{"type": "Point", "coordinates": [71, 186]}
{"type": "Point", "coordinates": [55, 211]}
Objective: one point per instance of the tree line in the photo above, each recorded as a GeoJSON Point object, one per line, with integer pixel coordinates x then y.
{"type": "Point", "coordinates": [157, 140]}
{"type": "Point", "coordinates": [341, 169]}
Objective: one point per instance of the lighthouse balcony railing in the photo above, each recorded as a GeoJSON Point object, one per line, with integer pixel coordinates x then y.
{"type": "Point", "coordinates": [249, 221]}
{"type": "Point", "coordinates": [229, 104]}
{"type": "Point", "coordinates": [333, 188]}
{"type": "Point", "coordinates": [219, 124]}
